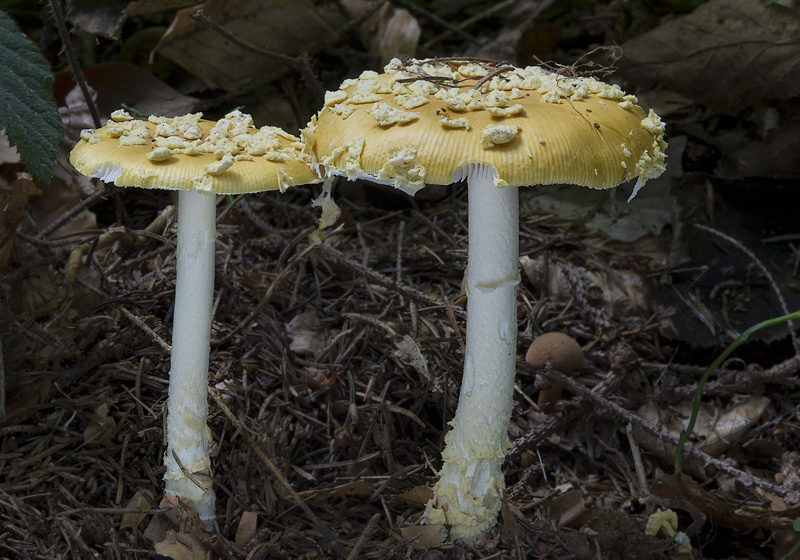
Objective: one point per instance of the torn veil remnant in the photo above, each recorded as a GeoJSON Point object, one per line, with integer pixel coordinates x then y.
{"type": "Point", "coordinates": [497, 127]}
{"type": "Point", "coordinates": [199, 158]}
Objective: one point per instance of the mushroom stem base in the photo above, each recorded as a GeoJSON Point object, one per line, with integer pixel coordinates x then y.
{"type": "Point", "coordinates": [467, 493]}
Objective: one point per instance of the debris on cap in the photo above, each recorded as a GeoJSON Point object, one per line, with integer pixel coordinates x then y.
{"type": "Point", "coordinates": [531, 125]}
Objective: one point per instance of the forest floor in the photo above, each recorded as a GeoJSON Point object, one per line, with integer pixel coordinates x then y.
{"type": "Point", "coordinates": [340, 362]}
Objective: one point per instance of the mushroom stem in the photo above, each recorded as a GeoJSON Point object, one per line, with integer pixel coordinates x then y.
{"type": "Point", "coordinates": [466, 495]}
{"type": "Point", "coordinates": [188, 465]}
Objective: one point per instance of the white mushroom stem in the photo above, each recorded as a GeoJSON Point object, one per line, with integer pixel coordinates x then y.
{"type": "Point", "coordinates": [466, 495]}
{"type": "Point", "coordinates": [188, 465]}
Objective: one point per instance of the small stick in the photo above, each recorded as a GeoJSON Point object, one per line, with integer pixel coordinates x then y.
{"type": "Point", "coordinates": [399, 259]}
{"type": "Point", "coordinates": [87, 202]}
{"type": "Point", "coordinates": [244, 323]}
{"type": "Point", "coordinates": [384, 280]}
{"type": "Point", "coordinates": [356, 550]}
{"type": "Point", "coordinates": [764, 271]}
{"type": "Point", "coordinates": [73, 61]}
{"type": "Point", "coordinates": [628, 416]}
{"type": "Point", "coordinates": [324, 531]}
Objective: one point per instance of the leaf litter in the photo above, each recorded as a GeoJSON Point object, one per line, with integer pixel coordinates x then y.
{"type": "Point", "coordinates": [349, 402]}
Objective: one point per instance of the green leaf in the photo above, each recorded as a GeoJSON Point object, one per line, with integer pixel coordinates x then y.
{"type": "Point", "coordinates": [28, 111]}
{"type": "Point", "coordinates": [796, 525]}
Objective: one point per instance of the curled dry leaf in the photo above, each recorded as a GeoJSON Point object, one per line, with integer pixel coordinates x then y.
{"type": "Point", "coordinates": [620, 293]}
{"type": "Point", "coordinates": [141, 500]}
{"type": "Point", "coordinates": [422, 536]}
{"type": "Point", "coordinates": [714, 431]}
{"type": "Point", "coordinates": [727, 54]}
{"type": "Point", "coordinates": [392, 33]}
{"type": "Point", "coordinates": [181, 546]}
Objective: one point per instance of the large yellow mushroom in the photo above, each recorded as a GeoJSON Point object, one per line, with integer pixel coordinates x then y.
{"type": "Point", "coordinates": [199, 158]}
{"type": "Point", "coordinates": [497, 127]}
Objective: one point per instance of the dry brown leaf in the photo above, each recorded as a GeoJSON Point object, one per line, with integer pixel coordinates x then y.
{"type": "Point", "coordinates": [288, 27]}
{"type": "Point", "coordinates": [101, 426]}
{"type": "Point", "coordinates": [565, 508]}
{"type": "Point", "coordinates": [14, 202]}
{"type": "Point", "coordinates": [422, 536]}
{"type": "Point", "coordinates": [181, 546]}
{"type": "Point", "coordinates": [418, 495]}
{"type": "Point", "coordinates": [120, 82]}
{"type": "Point", "coordinates": [54, 199]}
{"type": "Point", "coordinates": [247, 528]}
{"type": "Point", "coordinates": [727, 54]}
{"type": "Point", "coordinates": [138, 501]}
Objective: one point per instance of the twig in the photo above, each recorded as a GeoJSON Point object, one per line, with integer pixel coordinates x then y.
{"type": "Point", "coordinates": [2, 384]}
{"type": "Point", "coordinates": [244, 323]}
{"type": "Point", "coordinates": [299, 63]}
{"type": "Point", "coordinates": [356, 550]}
{"type": "Point", "coordinates": [326, 533]}
{"type": "Point", "coordinates": [385, 281]}
{"type": "Point", "coordinates": [399, 259]}
{"type": "Point", "coordinates": [644, 490]}
{"type": "Point", "coordinates": [58, 16]}
{"type": "Point", "coordinates": [469, 21]}
{"type": "Point", "coordinates": [575, 387]}
{"type": "Point", "coordinates": [87, 202]}
{"type": "Point", "coordinates": [143, 326]}
{"type": "Point", "coordinates": [764, 271]}
{"type": "Point", "coordinates": [414, 7]}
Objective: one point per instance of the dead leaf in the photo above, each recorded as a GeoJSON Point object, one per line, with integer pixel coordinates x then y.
{"type": "Point", "coordinates": [288, 27]}
{"type": "Point", "coordinates": [714, 432]}
{"type": "Point", "coordinates": [138, 501]}
{"type": "Point", "coordinates": [774, 157]}
{"type": "Point", "coordinates": [101, 426]}
{"type": "Point", "coordinates": [727, 54]}
{"type": "Point", "coordinates": [392, 33]}
{"type": "Point", "coordinates": [733, 424]}
{"type": "Point", "coordinates": [422, 536]}
{"type": "Point", "coordinates": [97, 17]}
{"type": "Point", "coordinates": [247, 528]}
{"type": "Point", "coordinates": [14, 202]}
{"type": "Point", "coordinates": [785, 541]}
{"type": "Point", "coordinates": [305, 332]}
{"type": "Point", "coordinates": [407, 351]}
{"type": "Point", "coordinates": [181, 546]}
{"type": "Point", "coordinates": [54, 199]}
{"type": "Point", "coordinates": [716, 510]}
{"type": "Point", "coordinates": [619, 293]}
{"type": "Point", "coordinates": [119, 82]}
{"type": "Point", "coordinates": [565, 508]}
{"type": "Point", "coordinates": [420, 495]}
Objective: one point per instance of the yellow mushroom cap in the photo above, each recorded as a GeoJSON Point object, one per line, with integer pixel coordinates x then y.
{"type": "Point", "coordinates": [426, 121]}
{"type": "Point", "coordinates": [229, 156]}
